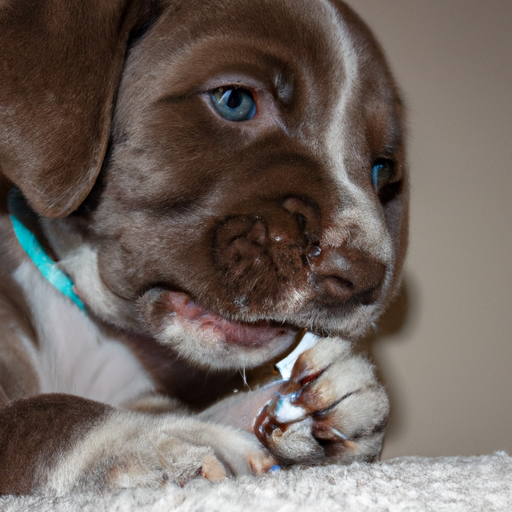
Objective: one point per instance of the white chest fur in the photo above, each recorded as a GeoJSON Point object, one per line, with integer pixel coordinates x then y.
{"type": "Point", "coordinates": [73, 355]}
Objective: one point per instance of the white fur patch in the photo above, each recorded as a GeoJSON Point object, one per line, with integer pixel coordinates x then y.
{"type": "Point", "coordinates": [74, 356]}
{"type": "Point", "coordinates": [129, 449]}
{"type": "Point", "coordinates": [358, 221]}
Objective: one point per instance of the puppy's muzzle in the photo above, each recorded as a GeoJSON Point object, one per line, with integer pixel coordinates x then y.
{"type": "Point", "coordinates": [341, 275]}
{"type": "Point", "coordinates": [281, 245]}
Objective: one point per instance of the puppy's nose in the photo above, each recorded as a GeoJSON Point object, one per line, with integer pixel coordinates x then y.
{"type": "Point", "coordinates": [343, 274]}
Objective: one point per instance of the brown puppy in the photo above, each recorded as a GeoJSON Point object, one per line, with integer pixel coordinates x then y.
{"type": "Point", "coordinates": [215, 177]}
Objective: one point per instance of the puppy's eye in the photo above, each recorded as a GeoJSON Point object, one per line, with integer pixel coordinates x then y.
{"type": "Point", "coordinates": [234, 103]}
{"type": "Point", "coordinates": [382, 172]}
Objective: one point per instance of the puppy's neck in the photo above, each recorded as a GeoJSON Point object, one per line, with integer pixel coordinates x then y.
{"type": "Point", "coordinates": [30, 237]}
{"type": "Point", "coordinates": [19, 208]}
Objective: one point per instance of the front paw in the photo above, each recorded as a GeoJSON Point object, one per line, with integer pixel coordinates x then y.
{"type": "Point", "coordinates": [129, 450]}
{"type": "Point", "coordinates": [331, 410]}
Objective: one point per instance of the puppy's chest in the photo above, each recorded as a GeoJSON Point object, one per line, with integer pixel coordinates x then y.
{"type": "Point", "coordinates": [72, 354]}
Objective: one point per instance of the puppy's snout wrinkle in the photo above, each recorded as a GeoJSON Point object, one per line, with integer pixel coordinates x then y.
{"type": "Point", "coordinates": [293, 223]}
{"type": "Point", "coordinates": [307, 215]}
{"type": "Point", "coordinates": [283, 240]}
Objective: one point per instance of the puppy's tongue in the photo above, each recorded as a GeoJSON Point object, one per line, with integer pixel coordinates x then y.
{"type": "Point", "coordinates": [246, 334]}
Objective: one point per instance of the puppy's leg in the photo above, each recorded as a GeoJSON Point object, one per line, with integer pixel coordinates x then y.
{"type": "Point", "coordinates": [61, 442]}
{"type": "Point", "coordinates": [331, 410]}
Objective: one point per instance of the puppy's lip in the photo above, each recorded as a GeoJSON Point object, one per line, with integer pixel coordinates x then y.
{"type": "Point", "coordinates": [231, 332]}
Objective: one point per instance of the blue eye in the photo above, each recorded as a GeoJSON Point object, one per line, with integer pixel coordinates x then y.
{"type": "Point", "coordinates": [234, 103]}
{"type": "Point", "coordinates": [382, 172]}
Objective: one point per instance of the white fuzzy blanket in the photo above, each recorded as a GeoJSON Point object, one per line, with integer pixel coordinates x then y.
{"type": "Point", "coordinates": [405, 484]}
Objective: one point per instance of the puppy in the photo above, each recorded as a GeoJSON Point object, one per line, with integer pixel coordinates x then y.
{"type": "Point", "coordinates": [187, 186]}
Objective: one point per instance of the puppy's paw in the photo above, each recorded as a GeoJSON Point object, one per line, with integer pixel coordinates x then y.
{"type": "Point", "coordinates": [136, 450]}
{"type": "Point", "coordinates": [331, 410]}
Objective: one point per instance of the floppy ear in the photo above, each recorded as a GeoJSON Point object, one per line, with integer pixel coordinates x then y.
{"type": "Point", "coordinates": [60, 64]}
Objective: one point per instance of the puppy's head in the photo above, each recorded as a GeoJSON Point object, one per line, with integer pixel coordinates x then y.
{"type": "Point", "coordinates": [255, 183]}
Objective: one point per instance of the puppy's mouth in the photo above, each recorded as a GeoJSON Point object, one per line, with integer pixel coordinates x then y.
{"type": "Point", "coordinates": [191, 315]}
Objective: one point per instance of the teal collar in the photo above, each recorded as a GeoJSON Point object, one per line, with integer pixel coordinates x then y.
{"type": "Point", "coordinates": [43, 262]}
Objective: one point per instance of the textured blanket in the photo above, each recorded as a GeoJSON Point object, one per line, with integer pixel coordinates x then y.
{"type": "Point", "coordinates": [404, 484]}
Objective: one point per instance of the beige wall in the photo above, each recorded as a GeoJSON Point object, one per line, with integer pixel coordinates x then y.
{"type": "Point", "coordinates": [445, 349]}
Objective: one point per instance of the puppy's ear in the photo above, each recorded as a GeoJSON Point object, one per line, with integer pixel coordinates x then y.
{"type": "Point", "coordinates": [61, 62]}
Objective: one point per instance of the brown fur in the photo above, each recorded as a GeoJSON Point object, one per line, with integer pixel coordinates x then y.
{"type": "Point", "coordinates": [155, 205]}
{"type": "Point", "coordinates": [37, 425]}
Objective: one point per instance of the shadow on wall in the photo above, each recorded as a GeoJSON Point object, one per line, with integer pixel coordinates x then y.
{"type": "Point", "coordinates": [392, 327]}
